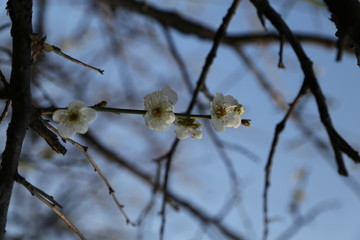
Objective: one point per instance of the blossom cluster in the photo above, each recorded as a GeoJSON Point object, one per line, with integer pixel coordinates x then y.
{"type": "Point", "coordinates": [159, 106]}
{"type": "Point", "coordinates": [225, 111]}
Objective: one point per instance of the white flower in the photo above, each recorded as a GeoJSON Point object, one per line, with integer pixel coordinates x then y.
{"type": "Point", "coordinates": [74, 119]}
{"type": "Point", "coordinates": [225, 112]}
{"type": "Point", "coordinates": [160, 109]}
{"type": "Point", "coordinates": [186, 127]}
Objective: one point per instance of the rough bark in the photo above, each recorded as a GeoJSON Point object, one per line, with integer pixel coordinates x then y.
{"type": "Point", "coordinates": [20, 12]}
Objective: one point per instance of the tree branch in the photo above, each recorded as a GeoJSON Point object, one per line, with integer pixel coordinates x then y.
{"type": "Point", "coordinates": [338, 143]}
{"type": "Point", "coordinates": [20, 12]}
{"type": "Point", "coordinates": [190, 27]}
{"type": "Point", "coordinates": [345, 15]}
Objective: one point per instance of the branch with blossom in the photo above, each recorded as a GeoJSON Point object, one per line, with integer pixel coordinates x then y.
{"type": "Point", "coordinates": [225, 111]}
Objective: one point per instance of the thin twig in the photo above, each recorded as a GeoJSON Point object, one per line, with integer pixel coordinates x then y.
{"type": "Point", "coordinates": [199, 214]}
{"type": "Point", "coordinates": [83, 149]}
{"type": "Point", "coordinates": [33, 190]}
{"type": "Point", "coordinates": [96, 107]}
{"type": "Point", "coordinates": [279, 128]}
{"type": "Point", "coordinates": [281, 48]}
{"type": "Point", "coordinates": [57, 50]}
{"type": "Point", "coordinates": [50, 202]}
{"type": "Point", "coordinates": [5, 111]}
{"type": "Point", "coordinates": [220, 33]}
{"type": "Point", "coordinates": [165, 187]}
{"type": "Point", "coordinates": [227, 161]}
{"type": "Point", "coordinates": [101, 174]}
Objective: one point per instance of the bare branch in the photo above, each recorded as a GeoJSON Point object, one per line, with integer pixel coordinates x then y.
{"type": "Point", "coordinates": [97, 169]}
{"type": "Point", "coordinates": [279, 128]}
{"type": "Point", "coordinates": [50, 202]}
{"type": "Point", "coordinates": [338, 143]}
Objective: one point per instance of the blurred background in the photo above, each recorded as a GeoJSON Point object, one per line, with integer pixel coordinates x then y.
{"type": "Point", "coordinates": [216, 184]}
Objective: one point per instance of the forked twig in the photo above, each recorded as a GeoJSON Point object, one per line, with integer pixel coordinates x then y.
{"type": "Point", "coordinates": [339, 144]}
{"type": "Point", "coordinates": [38, 46]}
{"type": "Point", "coordinates": [48, 201]}
{"type": "Point", "coordinates": [98, 170]}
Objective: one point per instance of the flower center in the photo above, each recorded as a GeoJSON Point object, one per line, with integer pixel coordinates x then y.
{"type": "Point", "coordinates": [156, 112]}
{"type": "Point", "coordinates": [73, 116]}
{"type": "Point", "coordinates": [220, 111]}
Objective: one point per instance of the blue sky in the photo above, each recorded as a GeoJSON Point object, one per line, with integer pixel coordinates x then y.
{"type": "Point", "coordinates": [199, 174]}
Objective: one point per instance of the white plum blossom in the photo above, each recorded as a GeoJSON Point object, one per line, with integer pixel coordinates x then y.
{"type": "Point", "coordinates": [159, 108]}
{"type": "Point", "coordinates": [186, 127]}
{"type": "Point", "coordinates": [225, 112]}
{"type": "Point", "coordinates": [74, 119]}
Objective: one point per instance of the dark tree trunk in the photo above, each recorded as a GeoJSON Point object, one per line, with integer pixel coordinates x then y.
{"type": "Point", "coordinates": [20, 12]}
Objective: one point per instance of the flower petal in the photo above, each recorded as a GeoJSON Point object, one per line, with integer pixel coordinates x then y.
{"type": "Point", "coordinates": [65, 131]}
{"type": "Point", "coordinates": [218, 124]}
{"type": "Point", "coordinates": [171, 94]}
{"type": "Point", "coordinates": [60, 115]}
{"type": "Point", "coordinates": [160, 109]}
{"type": "Point", "coordinates": [76, 105]}
{"type": "Point", "coordinates": [156, 124]}
{"type": "Point", "coordinates": [80, 127]}
{"type": "Point", "coordinates": [88, 114]}
{"type": "Point", "coordinates": [181, 132]}
{"type": "Point", "coordinates": [230, 100]}
{"type": "Point", "coordinates": [233, 121]}
{"type": "Point", "coordinates": [218, 99]}
{"type": "Point", "coordinates": [196, 133]}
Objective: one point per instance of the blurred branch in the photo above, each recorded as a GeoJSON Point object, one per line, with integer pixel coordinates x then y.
{"type": "Point", "coordinates": [179, 61]}
{"type": "Point", "coordinates": [191, 27]}
{"type": "Point", "coordinates": [306, 219]}
{"type": "Point", "coordinates": [146, 178]}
